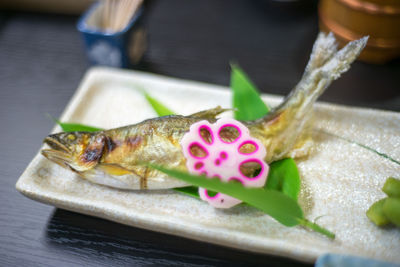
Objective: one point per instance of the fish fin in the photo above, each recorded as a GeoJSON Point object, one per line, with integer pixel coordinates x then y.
{"type": "Point", "coordinates": [114, 169]}
{"type": "Point", "coordinates": [118, 172]}
{"type": "Point", "coordinates": [304, 143]}
{"type": "Point", "coordinates": [340, 61]}
{"type": "Point", "coordinates": [287, 123]}
{"type": "Point", "coordinates": [323, 49]}
{"type": "Point", "coordinates": [302, 149]}
{"type": "Point", "coordinates": [111, 177]}
{"type": "Point", "coordinates": [326, 64]}
{"type": "Point", "coordinates": [209, 113]}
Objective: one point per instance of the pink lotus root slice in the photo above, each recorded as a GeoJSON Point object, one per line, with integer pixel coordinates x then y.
{"type": "Point", "coordinates": [225, 150]}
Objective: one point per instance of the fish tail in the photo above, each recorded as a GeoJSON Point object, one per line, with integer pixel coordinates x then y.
{"type": "Point", "coordinates": [326, 64]}
{"type": "Point", "coordinates": [287, 128]}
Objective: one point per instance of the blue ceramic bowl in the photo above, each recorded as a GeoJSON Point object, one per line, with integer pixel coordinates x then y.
{"type": "Point", "coordinates": [121, 49]}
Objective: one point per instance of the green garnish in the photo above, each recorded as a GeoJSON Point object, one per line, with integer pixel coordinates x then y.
{"type": "Point", "coordinates": [376, 215]}
{"type": "Point", "coordinates": [283, 176]}
{"type": "Point", "coordinates": [391, 208]}
{"type": "Point", "coordinates": [274, 203]}
{"type": "Point", "coordinates": [246, 99]}
{"type": "Point", "coordinates": [75, 127]}
{"type": "Point", "coordinates": [387, 210]}
{"type": "Point", "coordinates": [392, 187]}
{"type": "Point", "coordinates": [192, 191]}
{"type": "Point", "coordinates": [158, 107]}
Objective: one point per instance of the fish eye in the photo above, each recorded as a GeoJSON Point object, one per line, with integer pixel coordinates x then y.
{"type": "Point", "coordinates": [71, 137]}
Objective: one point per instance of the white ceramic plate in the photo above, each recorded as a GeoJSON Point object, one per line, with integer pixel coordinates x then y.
{"type": "Point", "coordinates": [340, 180]}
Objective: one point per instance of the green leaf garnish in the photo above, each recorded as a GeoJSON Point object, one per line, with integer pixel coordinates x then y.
{"type": "Point", "coordinates": [76, 127]}
{"type": "Point", "coordinates": [246, 99]}
{"type": "Point", "coordinates": [284, 176]}
{"type": "Point", "coordinates": [276, 204]}
{"type": "Point", "coordinates": [158, 107]}
{"type": "Point", "coordinates": [269, 201]}
{"type": "Point", "coordinates": [192, 191]}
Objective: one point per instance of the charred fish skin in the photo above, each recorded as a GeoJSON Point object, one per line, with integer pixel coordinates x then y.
{"type": "Point", "coordinates": [113, 157]}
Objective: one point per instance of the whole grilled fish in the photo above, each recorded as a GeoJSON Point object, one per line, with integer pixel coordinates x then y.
{"type": "Point", "coordinates": [113, 157]}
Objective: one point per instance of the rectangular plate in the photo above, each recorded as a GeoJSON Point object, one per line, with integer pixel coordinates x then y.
{"type": "Point", "coordinates": [340, 180]}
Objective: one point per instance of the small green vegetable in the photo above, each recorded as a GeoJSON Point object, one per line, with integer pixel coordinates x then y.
{"type": "Point", "coordinates": [246, 99]}
{"type": "Point", "coordinates": [391, 209]}
{"type": "Point", "coordinates": [376, 215]}
{"type": "Point", "coordinates": [279, 206]}
{"type": "Point", "coordinates": [387, 210]}
{"type": "Point", "coordinates": [392, 187]}
{"type": "Point", "coordinates": [284, 177]}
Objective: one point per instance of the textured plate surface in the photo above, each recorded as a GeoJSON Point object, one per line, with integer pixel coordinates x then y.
{"type": "Point", "coordinates": [340, 180]}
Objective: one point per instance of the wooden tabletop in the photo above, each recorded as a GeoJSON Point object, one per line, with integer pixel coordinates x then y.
{"type": "Point", "coordinates": [42, 62]}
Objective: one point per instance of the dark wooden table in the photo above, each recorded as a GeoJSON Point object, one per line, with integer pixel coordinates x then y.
{"type": "Point", "coordinates": [42, 62]}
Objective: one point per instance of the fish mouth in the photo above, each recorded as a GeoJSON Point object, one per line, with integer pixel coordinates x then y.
{"type": "Point", "coordinates": [58, 152]}
{"type": "Point", "coordinates": [55, 144]}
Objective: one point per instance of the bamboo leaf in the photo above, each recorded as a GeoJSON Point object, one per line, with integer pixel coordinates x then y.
{"type": "Point", "coordinates": [317, 228]}
{"type": "Point", "coordinates": [192, 191]}
{"type": "Point", "coordinates": [277, 205]}
{"type": "Point", "coordinates": [76, 127]}
{"type": "Point", "coordinates": [284, 177]}
{"type": "Point", "coordinates": [246, 99]}
{"type": "Point", "coordinates": [158, 107]}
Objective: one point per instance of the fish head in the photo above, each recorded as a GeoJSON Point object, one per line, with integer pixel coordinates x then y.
{"type": "Point", "coordinates": [77, 151]}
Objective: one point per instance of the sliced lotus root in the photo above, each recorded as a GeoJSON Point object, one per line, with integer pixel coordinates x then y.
{"type": "Point", "coordinates": [224, 150]}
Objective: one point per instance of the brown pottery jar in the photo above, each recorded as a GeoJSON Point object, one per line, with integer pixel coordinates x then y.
{"type": "Point", "coordinates": [353, 19]}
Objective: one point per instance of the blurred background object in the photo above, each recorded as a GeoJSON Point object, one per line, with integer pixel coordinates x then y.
{"type": "Point", "coordinates": [114, 15]}
{"type": "Point", "coordinates": [352, 19]}
{"type": "Point", "coordinates": [113, 33]}
{"type": "Point", "coordinates": [70, 7]}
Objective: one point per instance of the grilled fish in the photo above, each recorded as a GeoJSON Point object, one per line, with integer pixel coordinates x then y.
{"type": "Point", "coordinates": [113, 157]}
